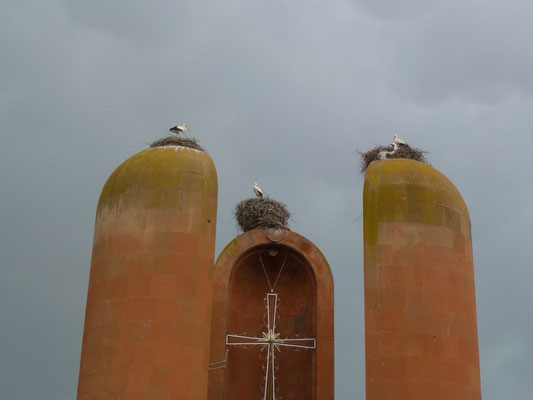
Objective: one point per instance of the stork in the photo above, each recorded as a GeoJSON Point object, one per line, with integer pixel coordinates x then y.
{"type": "Point", "coordinates": [179, 129]}
{"type": "Point", "coordinates": [399, 141]}
{"type": "Point", "coordinates": [257, 190]}
{"type": "Point", "coordinates": [383, 155]}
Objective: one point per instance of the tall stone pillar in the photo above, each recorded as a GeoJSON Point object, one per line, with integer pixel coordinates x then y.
{"type": "Point", "coordinates": [147, 324]}
{"type": "Point", "coordinates": [420, 303]}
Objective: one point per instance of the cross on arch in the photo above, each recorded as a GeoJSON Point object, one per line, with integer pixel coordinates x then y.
{"type": "Point", "coordinates": [271, 342]}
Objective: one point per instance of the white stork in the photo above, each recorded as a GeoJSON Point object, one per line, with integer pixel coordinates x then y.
{"type": "Point", "coordinates": [179, 129]}
{"type": "Point", "coordinates": [399, 141]}
{"type": "Point", "coordinates": [384, 154]}
{"type": "Point", "coordinates": [257, 190]}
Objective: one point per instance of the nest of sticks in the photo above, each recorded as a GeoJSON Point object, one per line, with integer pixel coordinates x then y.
{"type": "Point", "coordinates": [261, 213]}
{"type": "Point", "coordinates": [191, 143]}
{"type": "Point", "coordinates": [404, 151]}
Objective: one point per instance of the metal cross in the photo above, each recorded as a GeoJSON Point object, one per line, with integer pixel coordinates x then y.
{"type": "Point", "coordinates": [271, 342]}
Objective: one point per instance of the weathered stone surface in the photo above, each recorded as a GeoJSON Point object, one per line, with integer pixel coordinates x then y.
{"type": "Point", "coordinates": [150, 289]}
{"type": "Point", "coordinates": [420, 304]}
{"type": "Point", "coordinates": [305, 289]}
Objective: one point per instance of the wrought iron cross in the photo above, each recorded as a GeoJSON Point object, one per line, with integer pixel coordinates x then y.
{"type": "Point", "coordinates": [270, 342]}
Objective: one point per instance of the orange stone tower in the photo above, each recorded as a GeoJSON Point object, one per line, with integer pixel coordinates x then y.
{"type": "Point", "coordinates": [420, 304]}
{"type": "Point", "coordinates": [147, 324]}
{"type": "Point", "coordinates": [272, 327]}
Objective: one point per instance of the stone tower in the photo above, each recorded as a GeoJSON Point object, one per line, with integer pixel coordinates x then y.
{"type": "Point", "coordinates": [147, 324]}
{"type": "Point", "coordinates": [420, 303]}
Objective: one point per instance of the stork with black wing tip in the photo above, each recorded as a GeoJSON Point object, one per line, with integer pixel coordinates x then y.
{"type": "Point", "coordinates": [257, 190]}
{"type": "Point", "coordinates": [399, 141]}
{"type": "Point", "coordinates": [179, 129]}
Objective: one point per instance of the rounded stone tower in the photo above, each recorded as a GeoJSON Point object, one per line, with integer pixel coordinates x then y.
{"type": "Point", "coordinates": [147, 324]}
{"type": "Point", "coordinates": [420, 302]}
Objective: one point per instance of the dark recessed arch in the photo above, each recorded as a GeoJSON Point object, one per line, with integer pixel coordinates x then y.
{"type": "Point", "coordinates": [297, 274]}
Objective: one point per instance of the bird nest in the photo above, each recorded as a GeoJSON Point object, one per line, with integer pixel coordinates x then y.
{"type": "Point", "coordinates": [261, 213]}
{"type": "Point", "coordinates": [404, 151]}
{"type": "Point", "coordinates": [191, 143]}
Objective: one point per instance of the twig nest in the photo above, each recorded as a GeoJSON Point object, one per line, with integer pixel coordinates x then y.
{"type": "Point", "coordinates": [403, 152]}
{"type": "Point", "coordinates": [263, 213]}
{"type": "Point", "coordinates": [191, 143]}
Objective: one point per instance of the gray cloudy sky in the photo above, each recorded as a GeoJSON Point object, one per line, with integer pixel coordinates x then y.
{"type": "Point", "coordinates": [281, 92]}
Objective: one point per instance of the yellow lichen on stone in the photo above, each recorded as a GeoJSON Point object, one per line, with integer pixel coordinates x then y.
{"type": "Point", "coordinates": [409, 191]}
{"type": "Point", "coordinates": [159, 175]}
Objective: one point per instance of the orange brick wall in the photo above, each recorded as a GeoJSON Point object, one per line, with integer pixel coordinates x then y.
{"type": "Point", "coordinates": [420, 303]}
{"type": "Point", "coordinates": [148, 311]}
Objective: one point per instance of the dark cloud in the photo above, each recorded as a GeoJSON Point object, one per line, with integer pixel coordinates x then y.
{"type": "Point", "coordinates": [282, 93]}
{"type": "Point", "coordinates": [478, 54]}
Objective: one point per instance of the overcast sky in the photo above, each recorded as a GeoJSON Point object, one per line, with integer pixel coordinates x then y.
{"type": "Point", "coordinates": [279, 92]}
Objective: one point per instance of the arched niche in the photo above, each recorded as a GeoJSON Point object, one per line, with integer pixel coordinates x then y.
{"type": "Point", "coordinates": [272, 311]}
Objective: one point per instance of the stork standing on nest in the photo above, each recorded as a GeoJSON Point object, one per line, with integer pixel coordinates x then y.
{"type": "Point", "coordinates": [179, 129]}
{"type": "Point", "coordinates": [399, 141]}
{"type": "Point", "coordinates": [257, 190]}
{"type": "Point", "coordinates": [384, 154]}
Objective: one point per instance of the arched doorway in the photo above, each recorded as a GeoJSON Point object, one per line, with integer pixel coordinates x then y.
{"type": "Point", "coordinates": [272, 333]}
